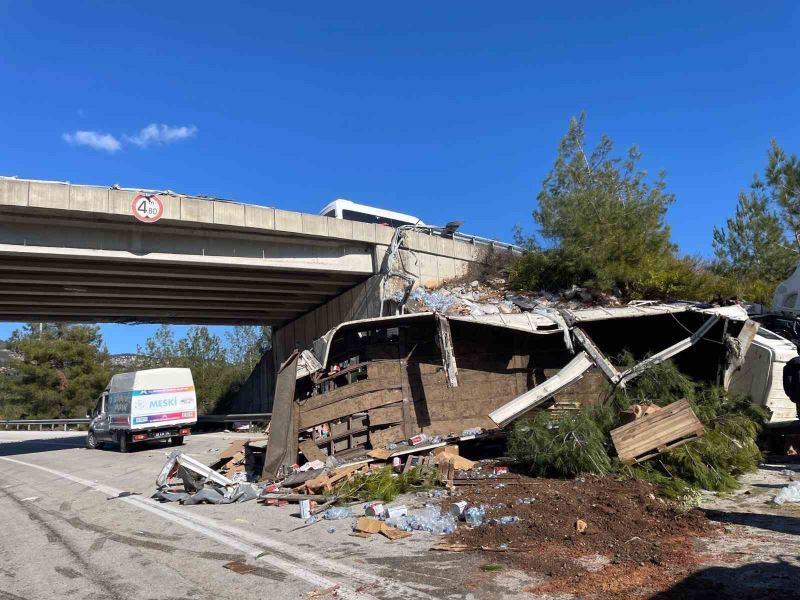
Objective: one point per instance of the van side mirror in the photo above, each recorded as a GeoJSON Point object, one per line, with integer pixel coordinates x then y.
{"type": "Point", "coordinates": [89, 414]}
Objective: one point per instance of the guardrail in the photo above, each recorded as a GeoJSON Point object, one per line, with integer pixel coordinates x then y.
{"type": "Point", "coordinates": [249, 418]}
{"type": "Point", "coordinates": [52, 424]}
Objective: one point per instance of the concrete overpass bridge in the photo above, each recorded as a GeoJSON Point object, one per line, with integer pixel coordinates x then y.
{"type": "Point", "coordinates": [77, 253]}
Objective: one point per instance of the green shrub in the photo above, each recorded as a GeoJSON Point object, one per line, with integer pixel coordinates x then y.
{"type": "Point", "coordinates": [384, 484]}
{"type": "Point", "coordinates": [574, 444]}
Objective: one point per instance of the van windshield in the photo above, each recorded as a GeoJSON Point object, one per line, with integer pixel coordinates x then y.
{"type": "Point", "coordinates": [351, 215]}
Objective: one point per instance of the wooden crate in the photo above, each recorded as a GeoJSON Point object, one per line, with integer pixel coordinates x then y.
{"type": "Point", "coordinates": [673, 425]}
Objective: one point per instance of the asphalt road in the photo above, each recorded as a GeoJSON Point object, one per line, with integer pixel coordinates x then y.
{"type": "Point", "coordinates": [77, 523]}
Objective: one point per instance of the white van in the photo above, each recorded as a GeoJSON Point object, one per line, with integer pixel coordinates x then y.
{"type": "Point", "coordinates": [155, 404]}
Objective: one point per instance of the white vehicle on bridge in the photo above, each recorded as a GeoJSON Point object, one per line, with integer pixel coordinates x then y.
{"type": "Point", "coordinates": [155, 404]}
{"type": "Point", "coordinates": [349, 210]}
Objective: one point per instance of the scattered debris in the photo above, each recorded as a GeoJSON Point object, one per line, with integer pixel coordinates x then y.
{"type": "Point", "coordinates": [338, 512]}
{"type": "Point", "coordinates": [789, 493]}
{"type": "Point", "coordinates": [201, 484]}
{"type": "Point", "coordinates": [239, 567]}
{"type": "Point", "coordinates": [656, 432]}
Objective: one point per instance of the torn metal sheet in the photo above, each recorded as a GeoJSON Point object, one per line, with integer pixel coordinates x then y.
{"type": "Point", "coordinates": [195, 466]}
{"type": "Point", "coordinates": [737, 349]}
{"type": "Point", "coordinates": [599, 358]}
{"type": "Point", "coordinates": [448, 357]}
{"type": "Point", "coordinates": [307, 364]}
{"type": "Point", "coordinates": [572, 372]}
{"type": "Point", "coordinates": [282, 447]}
{"type": "Point", "coordinates": [600, 313]}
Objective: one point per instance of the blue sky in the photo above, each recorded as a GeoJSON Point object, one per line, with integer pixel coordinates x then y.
{"type": "Point", "coordinates": [446, 110]}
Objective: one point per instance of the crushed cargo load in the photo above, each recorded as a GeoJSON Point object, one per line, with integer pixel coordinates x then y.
{"type": "Point", "coordinates": [395, 382]}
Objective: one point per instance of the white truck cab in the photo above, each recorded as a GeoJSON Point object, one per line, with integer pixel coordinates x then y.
{"type": "Point", "coordinates": [153, 404]}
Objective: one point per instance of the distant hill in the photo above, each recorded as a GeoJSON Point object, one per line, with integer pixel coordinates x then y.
{"type": "Point", "coordinates": [125, 360]}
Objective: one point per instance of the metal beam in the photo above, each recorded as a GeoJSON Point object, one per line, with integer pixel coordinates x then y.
{"type": "Point", "coordinates": [573, 371]}
{"type": "Point", "coordinates": [176, 282]}
{"type": "Point", "coordinates": [227, 306]}
{"type": "Point", "coordinates": [33, 293]}
{"type": "Point", "coordinates": [597, 356]}
{"type": "Point", "coordinates": [213, 272]}
{"type": "Point", "coordinates": [685, 343]}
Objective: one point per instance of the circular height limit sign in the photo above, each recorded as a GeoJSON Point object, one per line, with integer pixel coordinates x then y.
{"type": "Point", "coordinates": [147, 209]}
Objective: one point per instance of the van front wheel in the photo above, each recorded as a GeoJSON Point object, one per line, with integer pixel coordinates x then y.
{"type": "Point", "coordinates": [176, 440]}
{"type": "Point", "coordinates": [91, 441]}
{"type": "Point", "coordinates": [124, 445]}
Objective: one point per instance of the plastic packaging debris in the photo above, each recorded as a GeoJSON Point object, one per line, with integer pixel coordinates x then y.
{"type": "Point", "coordinates": [530, 500]}
{"type": "Point", "coordinates": [474, 515]}
{"type": "Point", "coordinates": [418, 439]}
{"type": "Point", "coordinates": [331, 529]}
{"type": "Point", "coordinates": [500, 470]}
{"type": "Point", "coordinates": [373, 509]}
{"type": "Point", "coordinates": [790, 493]}
{"type": "Point", "coordinates": [457, 508]}
{"type": "Point", "coordinates": [504, 521]}
{"type": "Point", "coordinates": [314, 464]}
{"type": "Point", "coordinates": [431, 494]}
{"type": "Point", "coordinates": [436, 301]}
{"type": "Point", "coordinates": [393, 512]}
{"type": "Point", "coordinates": [305, 509]}
{"type": "Point", "coordinates": [338, 512]}
{"type": "Point", "coordinates": [430, 518]}
{"type": "Point", "coordinates": [400, 523]}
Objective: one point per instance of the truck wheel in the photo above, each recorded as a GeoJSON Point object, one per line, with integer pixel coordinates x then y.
{"type": "Point", "coordinates": [176, 440]}
{"type": "Point", "coordinates": [91, 441]}
{"type": "Point", "coordinates": [124, 446]}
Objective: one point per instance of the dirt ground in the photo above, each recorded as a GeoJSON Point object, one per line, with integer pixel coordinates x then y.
{"type": "Point", "coordinates": [635, 544]}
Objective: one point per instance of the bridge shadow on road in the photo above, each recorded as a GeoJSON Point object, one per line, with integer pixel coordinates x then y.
{"type": "Point", "coordinates": [754, 581]}
{"type": "Point", "coordinates": [36, 446]}
{"type": "Point", "coordinates": [772, 522]}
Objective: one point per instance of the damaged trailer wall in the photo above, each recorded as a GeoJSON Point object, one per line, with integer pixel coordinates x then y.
{"type": "Point", "coordinates": [393, 383]}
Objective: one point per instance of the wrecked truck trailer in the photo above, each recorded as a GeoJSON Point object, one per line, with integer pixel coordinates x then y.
{"type": "Point", "coordinates": [378, 382]}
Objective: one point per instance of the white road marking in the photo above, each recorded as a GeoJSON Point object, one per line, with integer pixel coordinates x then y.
{"type": "Point", "coordinates": [232, 536]}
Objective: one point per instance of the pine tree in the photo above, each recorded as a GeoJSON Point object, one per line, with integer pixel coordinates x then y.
{"type": "Point", "coordinates": [752, 244]}
{"type": "Point", "coordinates": [783, 178]}
{"type": "Point", "coordinates": [61, 371]}
{"type": "Point", "coordinates": [217, 368]}
{"type": "Point", "coordinates": [603, 220]}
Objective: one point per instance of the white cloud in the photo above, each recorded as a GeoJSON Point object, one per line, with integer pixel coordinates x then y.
{"type": "Point", "coordinates": [93, 139]}
{"type": "Point", "coordinates": [156, 133]}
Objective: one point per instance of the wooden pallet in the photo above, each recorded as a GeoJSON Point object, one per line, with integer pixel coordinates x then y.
{"type": "Point", "coordinates": [644, 438]}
